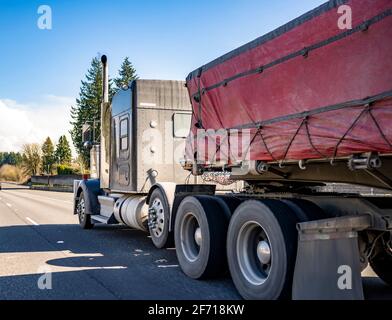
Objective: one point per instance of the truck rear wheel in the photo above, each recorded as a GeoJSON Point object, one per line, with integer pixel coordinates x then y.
{"type": "Point", "coordinates": [382, 262]}
{"type": "Point", "coordinates": [200, 236]}
{"type": "Point", "coordinates": [306, 210]}
{"type": "Point", "coordinates": [84, 219]}
{"type": "Point", "coordinates": [159, 220]}
{"type": "Point", "coordinates": [261, 249]}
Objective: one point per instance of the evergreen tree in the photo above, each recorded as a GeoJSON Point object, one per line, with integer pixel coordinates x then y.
{"type": "Point", "coordinates": [88, 108]}
{"type": "Point", "coordinates": [48, 156]}
{"type": "Point", "coordinates": [63, 152]}
{"type": "Point", "coordinates": [126, 73]}
{"type": "Point", "coordinates": [11, 158]}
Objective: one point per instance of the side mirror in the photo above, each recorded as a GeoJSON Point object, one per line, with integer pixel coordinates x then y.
{"type": "Point", "coordinates": [88, 145]}
{"type": "Point", "coordinates": [86, 133]}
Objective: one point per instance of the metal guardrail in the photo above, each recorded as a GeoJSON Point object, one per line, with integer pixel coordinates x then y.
{"type": "Point", "coordinates": [54, 183]}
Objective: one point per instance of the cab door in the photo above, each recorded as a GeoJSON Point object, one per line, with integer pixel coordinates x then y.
{"type": "Point", "coordinates": [124, 151]}
{"type": "Point", "coordinates": [121, 142]}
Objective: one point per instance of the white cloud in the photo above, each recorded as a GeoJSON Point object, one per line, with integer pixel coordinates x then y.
{"type": "Point", "coordinates": [33, 122]}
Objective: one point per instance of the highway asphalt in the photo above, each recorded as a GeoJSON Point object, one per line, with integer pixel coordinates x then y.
{"type": "Point", "coordinates": [44, 254]}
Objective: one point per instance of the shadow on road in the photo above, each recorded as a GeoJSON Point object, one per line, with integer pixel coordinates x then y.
{"type": "Point", "coordinates": [111, 263]}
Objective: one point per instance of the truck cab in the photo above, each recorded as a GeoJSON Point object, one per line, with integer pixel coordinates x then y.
{"type": "Point", "coordinates": [150, 120]}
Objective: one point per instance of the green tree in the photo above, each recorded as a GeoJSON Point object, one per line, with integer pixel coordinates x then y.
{"type": "Point", "coordinates": [88, 107]}
{"type": "Point", "coordinates": [31, 155]}
{"type": "Point", "coordinates": [11, 158]}
{"type": "Point", "coordinates": [63, 152]}
{"type": "Point", "coordinates": [48, 156]}
{"type": "Point", "coordinates": [126, 73]}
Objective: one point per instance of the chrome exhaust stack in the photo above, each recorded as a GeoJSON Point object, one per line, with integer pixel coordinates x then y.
{"type": "Point", "coordinates": [105, 79]}
{"type": "Point", "coordinates": [106, 114]}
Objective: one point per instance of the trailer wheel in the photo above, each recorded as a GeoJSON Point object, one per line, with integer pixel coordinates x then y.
{"type": "Point", "coordinates": [382, 263]}
{"type": "Point", "coordinates": [306, 210]}
{"type": "Point", "coordinates": [84, 219]}
{"type": "Point", "coordinates": [232, 202]}
{"type": "Point", "coordinates": [159, 219]}
{"type": "Point", "coordinates": [200, 236]}
{"type": "Point", "coordinates": [261, 249]}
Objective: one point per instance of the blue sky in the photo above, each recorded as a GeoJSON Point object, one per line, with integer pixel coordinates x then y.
{"type": "Point", "coordinates": [165, 39]}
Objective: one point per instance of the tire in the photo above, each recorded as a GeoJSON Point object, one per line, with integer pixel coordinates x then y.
{"type": "Point", "coordinates": [382, 264]}
{"type": "Point", "coordinates": [306, 210]}
{"type": "Point", "coordinates": [206, 258]}
{"type": "Point", "coordinates": [262, 248]}
{"type": "Point", "coordinates": [84, 219]}
{"type": "Point", "coordinates": [232, 202]}
{"type": "Point", "coordinates": [159, 225]}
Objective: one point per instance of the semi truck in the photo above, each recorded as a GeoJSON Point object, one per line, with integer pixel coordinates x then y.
{"type": "Point", "coordinates": [234, 166]}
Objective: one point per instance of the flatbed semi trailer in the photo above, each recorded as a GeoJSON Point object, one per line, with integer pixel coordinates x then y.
{"type": "Point", "coordinates": [230, 166]}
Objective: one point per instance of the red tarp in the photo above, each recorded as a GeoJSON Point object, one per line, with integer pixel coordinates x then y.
{"type": "Point", "coordinates": [309, 65]}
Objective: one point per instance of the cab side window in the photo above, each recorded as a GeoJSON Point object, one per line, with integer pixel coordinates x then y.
{"type": "Point", "coordinates": [124, 132]}
{"type": "Point", "coordinates": [181, 124]}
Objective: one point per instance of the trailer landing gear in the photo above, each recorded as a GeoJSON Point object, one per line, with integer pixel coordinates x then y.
{"type": "Point", "coordinates": [381, 262]}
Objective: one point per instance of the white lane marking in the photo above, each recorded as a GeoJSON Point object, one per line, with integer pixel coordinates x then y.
{"type": "Point", "coordinates": [60, 242]}
{"type": "Point", "coordinates": [48, 198]}
{"type": "Point", "coordinates": [169, 266]}
{"type": "Point", "coordinates": [161, 261]}
{"type": "Point", "coordinates": [32, 221]}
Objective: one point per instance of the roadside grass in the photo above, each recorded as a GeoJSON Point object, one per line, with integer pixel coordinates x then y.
{"type": "Point", "coordinates": [9, 173]}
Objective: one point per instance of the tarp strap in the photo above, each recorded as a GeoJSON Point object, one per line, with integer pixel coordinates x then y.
{"type": "Point", "coordinates": [291, 142]}
{"type": "Point", "coordinates": [335, 107]}
{"type": "Point", "coordinates": [367, 110]}
{"type": "Point", "coordinates": [379, 128]}
{"type": "Point", "coordinates": [310, 139]}
{"type": "Point", "coordinates": [348, 131]}
{"type": "Point", "coordinates": [199, 118]}
{"type": "Point", "coordinates": [363, 27]}
{"type": "Point", "coordinates": [367, 105]}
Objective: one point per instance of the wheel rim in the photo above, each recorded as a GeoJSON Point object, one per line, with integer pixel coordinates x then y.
{"type": "Point", "coordinates": [81, 210]}
{"type": "Point", "coordinates": [157, 218]}
{"type": "Point", "coordinates": [254, 253]}
{"type": "Point", "coordinates": [191, 237]}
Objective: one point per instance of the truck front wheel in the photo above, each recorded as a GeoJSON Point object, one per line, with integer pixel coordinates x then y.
{"type": "Point", "coordinates": [159, 219]}
{"type": "Point", "coordinates": [84, 219]}
{"type": "Point", "coordinates": [261, 249]}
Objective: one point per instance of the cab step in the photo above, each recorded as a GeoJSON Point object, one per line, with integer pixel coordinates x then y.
{"type": "Point", "coordinates": [107, 205]}
{"type": "Point", "coordinates": [104, 220]}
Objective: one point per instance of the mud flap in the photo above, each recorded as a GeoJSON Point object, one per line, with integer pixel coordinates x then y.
{"type": "Point", "coordinates": [328, 262]}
